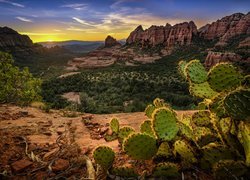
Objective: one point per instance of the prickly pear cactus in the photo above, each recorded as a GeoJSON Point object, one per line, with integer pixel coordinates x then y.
{"type": "Point", "coordinates": [229, 169]}
{"type": "Point", "coordinates": [244, 137]}
{"type": "Point", "coordinates": [124, 171]}
{"type": "Point", "coordinates": [104, 156]}
{"type": "Point", "coordinates": [237, 104]}
{"type": "Point", "coordinates": [213, 153]}
{"type": "Point", "coordinates": [225, 125]}
{"type": "Point", "coordinates": [196, 72]}
{"type": "Point", "coordinates": [163, 152]}
{"type": "Point", "coordinates": [114, 125]}
{"type": "Point", "coordinates": [202, 90]}
{"type": "Point", "coordinates": [185, 151]}
{"type": "Point", "coordinates": [158, 102]}
{"type": "Point", "coordinates": [140, 146]}
{"type": "Point", "coordinates": [204, 136]}
{"type": "Point", "coordinates": [146, 127]}
{"type": "Point", "coordinates": [166, 169]}
{"type": "Point", "coordinates": [149, 110]}
{"type": "Point", "coordinates": [246, 81]}
{"type": "Point", "coordinates": [111, 137]}
{"type": "Point", "coordinates": [186, 131]}
{"type": "Point", "coordinates": [224, 76]}
{"type": "Point", "coordinates": [125, 132]}
{"type": "Point", "coordinates": [201, 118]}
{"type": "Point", "coordinates": [216, 105]}
{"type": "Point", "coordinates": [164, 123]}
{"type": "Point", "coordinates": [181, 68]}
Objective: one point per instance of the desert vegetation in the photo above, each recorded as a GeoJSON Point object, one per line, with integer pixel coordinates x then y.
{"type": "Point", "coordinates": [17, 86]}
{"type": "Point", "coordinates": [214, 139]}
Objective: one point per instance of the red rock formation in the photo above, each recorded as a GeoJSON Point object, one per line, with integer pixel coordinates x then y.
{"type": "Point", "coordinates": [136, 35]}
{"type": "Point", "coordinates": [226, 28]}
{"type": "Point", "coordinates": [218, 57]}
{"type": "Point", "coordinates": [245, 43]}
{"type": "Point", "coordinates": [168, 35]}
{"type": "Point", "coordinates": [110, 41]}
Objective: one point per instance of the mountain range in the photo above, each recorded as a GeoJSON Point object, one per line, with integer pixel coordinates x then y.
{"type": "Point", "coordinates": [225, 39]}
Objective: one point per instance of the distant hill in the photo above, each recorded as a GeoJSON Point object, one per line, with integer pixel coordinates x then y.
{"type": "Point", "coordinates": [74, 45]}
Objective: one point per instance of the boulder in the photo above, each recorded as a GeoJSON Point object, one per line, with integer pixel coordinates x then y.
{"type": "Point", "coordinates": [110, 41]}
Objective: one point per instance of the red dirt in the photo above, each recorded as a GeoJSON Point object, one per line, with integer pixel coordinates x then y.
{"type": "Point", "coordinates": [50, 136]}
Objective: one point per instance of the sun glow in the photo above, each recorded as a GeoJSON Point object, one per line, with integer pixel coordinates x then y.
{"type": "Point", "coordinates": [50, 40]}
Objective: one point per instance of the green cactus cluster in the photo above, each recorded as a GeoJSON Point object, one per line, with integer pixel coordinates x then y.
{"type": "Point", "coordinates": [215, 138]}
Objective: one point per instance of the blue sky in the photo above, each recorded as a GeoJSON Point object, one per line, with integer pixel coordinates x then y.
{"type": "Point", "coordinates": [49, 20]}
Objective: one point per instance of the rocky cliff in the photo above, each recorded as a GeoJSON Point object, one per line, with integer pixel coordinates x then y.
{"type": "Point", "coordinates": [226, 28]}
{"type": "Point", "coordinates": [184, 33]}
{"type": "Point", "coordinates": [169, 36]}
{"type": "Point", "coordinates": [110, 41]}
{"type": "Point", "coordinates": [218, 57]}
{"type": "Point", "coordinates": [10, 38]}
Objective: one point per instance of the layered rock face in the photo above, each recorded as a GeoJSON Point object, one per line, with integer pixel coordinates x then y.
{"type": "Point", "coordinates": [110, 41]}
{"type": "Point", "coordinates": [226, 28]}
{"type": "Point", "coordinates": [218, 57]}
{"type": "Point", "coordinates": [183, 34]}
{"type": "Point", "coordinates": [179, 34]}
{"type": "Point", "coordinates": [10, 38]}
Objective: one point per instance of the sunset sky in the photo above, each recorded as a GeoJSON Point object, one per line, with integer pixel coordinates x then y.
{"type": "Point", "coordinates": [91, 20]}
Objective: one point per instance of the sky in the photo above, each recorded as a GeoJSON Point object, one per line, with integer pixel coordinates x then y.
{"type": "Point", "coordinates": [93, 20]}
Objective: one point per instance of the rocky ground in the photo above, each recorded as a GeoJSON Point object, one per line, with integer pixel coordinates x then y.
{"type": "Point", "coordinates": [38, 145]}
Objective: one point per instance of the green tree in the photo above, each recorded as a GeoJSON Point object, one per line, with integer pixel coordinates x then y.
{"type": "Point", "coordinates": [17, 86]}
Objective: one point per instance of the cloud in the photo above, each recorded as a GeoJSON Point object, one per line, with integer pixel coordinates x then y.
{"type": "Point", "coordinates": [24, 19]}
{"type": "Point", "coordinates": [12, 3]}
{"type": "Point", "coordinates": [83, 22]}
{"type": "Point", "coordinates": [76, 6]}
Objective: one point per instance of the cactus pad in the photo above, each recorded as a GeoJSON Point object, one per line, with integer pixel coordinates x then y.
{"type": "Point", "coordinates": [109, 138]}
{"type": "Point", "coordinates": [181, 68]}
{"type": "Point", "coordinates": [146, 127]}
{"type": "Point", "coordinates": [216, 106]}
{"type": "Point", "coordinates": [224, 76]}
{"type": "Point", "coordinates": [185, 151]}
{"type": "Point", "coordinates": [204, 136]}
{"type": "Point", "coordinates": [114, 125]}
{"type": "Point", "coordinates": [166, 170]}
{"type": "Point", "coordinates": [124, 171]}
{"type": "Point", "coordinates": [149, 110]}
{"type": "Point", "coordinates": [164, 123]}
{"type": "Point", "coordinates": [237, 104]}
{"type": "Point", "coordinates": [244, 137]}
{"type": "Point", "coordinates": [104, 156]}
{"type": "Point", "coordinates": [140, 146]}
{"type": "Point", "coordinates": [213, 153]}
{"type": "Point", "coordinates": [125, 132]}
{"type": "Point", "coordinates": [186, 131]}
{"type": "Point", "coordinates": [158, 102]}
{"type": "Point", "coordinates": [229, 169]}
{"type": "Point", "coordinates": [201, 118]}
{"type": "Point", "coordinates": [163, 152]}
{"type": "Point", "coordinates": [196, 72]}
{"type": "Point", "coordinates": [202, 90]}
